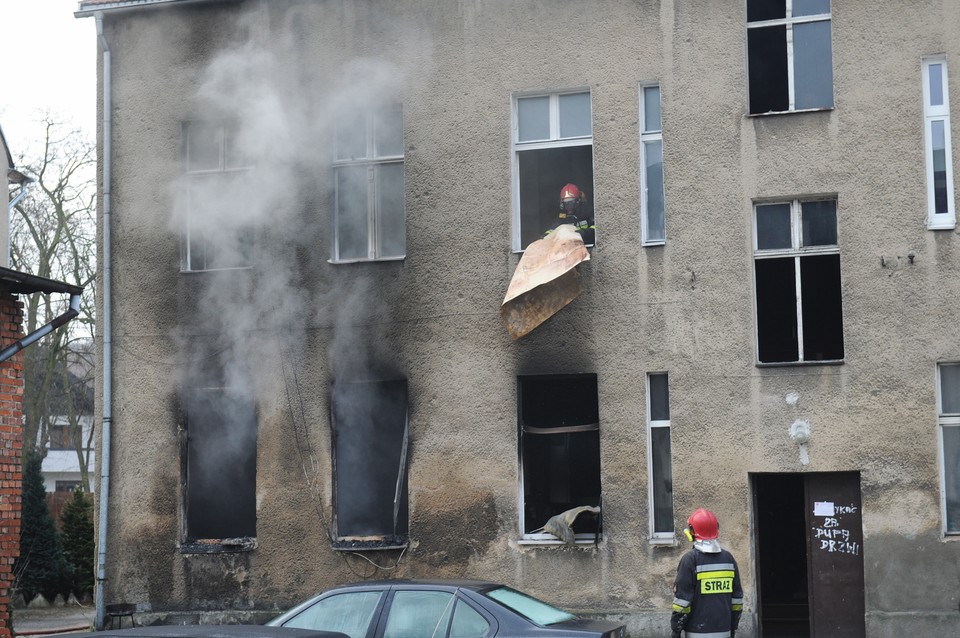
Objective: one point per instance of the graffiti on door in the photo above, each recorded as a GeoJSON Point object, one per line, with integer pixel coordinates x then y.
{"type": "Point", "coordinates": [831, 535]}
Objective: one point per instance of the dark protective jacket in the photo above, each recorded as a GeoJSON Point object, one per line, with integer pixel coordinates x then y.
{"type": "Point", "coordinates": [708, 597]}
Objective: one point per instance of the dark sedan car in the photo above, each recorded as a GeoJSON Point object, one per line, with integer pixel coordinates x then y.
{"type": "Point", "coordinates": [208, 631]}
{"type": "Point", "coordinates": [439, 609]}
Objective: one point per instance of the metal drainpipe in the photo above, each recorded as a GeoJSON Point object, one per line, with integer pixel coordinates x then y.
{"type": "Point", "coordinates": [106, 363]}
{"type": "Point", "coordinates": [43, 331]}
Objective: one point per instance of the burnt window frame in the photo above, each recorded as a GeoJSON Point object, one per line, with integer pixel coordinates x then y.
{"type": "Point", "coordinates": [548, 196]}
{"type": "Point", "coordinates": [535, 537]}
{"type": "Point", "coordinates": [372, 161]}
{"type": "Point", "coordinates": [231, 166]}
{"type": "Point", "coordinates": [788, 21]}
{"type": "Point", "coordinates": [797, 251]}
{"type": "Point", "coordinates": [191, 542]}
{"type": "Point", "coordinates": [399, 536]}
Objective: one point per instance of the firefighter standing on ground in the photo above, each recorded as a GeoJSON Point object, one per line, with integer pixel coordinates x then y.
{"type": "Point", "coordinates": [708, 597]}
{"type": "Point", "coordinates": [573, 211]}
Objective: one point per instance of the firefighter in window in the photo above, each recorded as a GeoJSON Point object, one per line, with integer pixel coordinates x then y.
{"type": "Point", "coordinates": [574, 211]}
{"type": "Point", "coordinates": [708, 597]}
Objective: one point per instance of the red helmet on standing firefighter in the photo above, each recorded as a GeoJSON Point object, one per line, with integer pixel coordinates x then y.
{"type": "Point", "coordinates": [570, 199]}
{"type": "Point", "coordinates": [702, 526]}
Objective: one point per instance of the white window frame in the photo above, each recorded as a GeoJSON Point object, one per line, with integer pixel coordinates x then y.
{"type": "Point", "coordinates": [944, 421]}
{"type": "Point", "coordinates": [797, 251]}
{"type": "Point", "coordinates": [369, 161]}
{"type": "Point", "coordinates": [648, 136]}
{"type": "Point", "coordinates": [656, 538]}
{"type": "Point", "coordinates": [186, 258]}
{"type": "Point", "coordinates": [937, 113]}
{"type": "Point", "coordinates": [789, 21]}
{"type": "Point", "coordinates": [554, 141]}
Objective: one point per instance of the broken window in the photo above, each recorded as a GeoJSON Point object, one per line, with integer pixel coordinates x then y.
{"type": "Point", "coordinates": [651, 159]}
{"type": "Point", "coordinates": [797, 270]}
{"type": "Point", "coordinates": [789, 54]}
{"type": "Point", "coordinates": [370, 437]}
{"type": "Point", "coordinates": [369, 218]}
{"type": "Point", "coordinates": [936, 134]}
{"type": "Point", "coordinates": [948, 409]}
{"type": "Point", "coordinates": [559, 423]}
{"type": "Point", "coordinates": [552, 147]}
{"type": "Point", "coordinates": [220, 427]}
{"type": "Point", "coordinates": [215, 197]}
{"type": "Point", "coordinates": [660, 467]}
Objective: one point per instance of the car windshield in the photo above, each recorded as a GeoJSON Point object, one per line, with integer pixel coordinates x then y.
{"type": "Point", "coordinates": [534, 610]}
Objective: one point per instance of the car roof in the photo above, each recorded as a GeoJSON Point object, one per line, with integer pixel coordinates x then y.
{"type": "Point", "coordinates": [463, 583]}
{"type": "Point", "coordinates": [210, 631]}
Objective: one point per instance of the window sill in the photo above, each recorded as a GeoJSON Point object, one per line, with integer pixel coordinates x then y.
{"type": "Point", "coordinates": [195, 272]}
{"type": "Point", "coordinates": [387, 542]}
{"type": "Point", "coordinates": [543, 542]}
{"type": "Point", "coordinates": [821, 109]}
{"type": "Point", "coordinates": [219, 546]}
{"type": "Point", "coordinates": [951, 225]}
{"type": "Point", "coordinates": [663, 542]}
{"type": "Point", "coordinates": [338, 262]}
{"type": "Point", "coordinates": [799, 364]}
{"type": "Point", "coordinates": [659, 242]}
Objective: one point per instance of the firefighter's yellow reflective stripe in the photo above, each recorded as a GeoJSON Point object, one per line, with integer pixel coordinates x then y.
{"type": "Point", "coordinates": [682, 610]}
{"type": "Point", "coordinates": [712, 567]}
{"type": "Point", "coordinates": [716, 582]}
{"type": "Point", "coordinates": [715, 574]}
{"type": "Point", "coordinates": [736, 607]}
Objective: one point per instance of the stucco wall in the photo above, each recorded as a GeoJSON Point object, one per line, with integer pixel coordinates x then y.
{"type": "Point", "coordinates": [685, 308]}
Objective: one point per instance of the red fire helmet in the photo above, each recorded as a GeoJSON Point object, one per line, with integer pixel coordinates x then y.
{"type": "Point", "coordinates": [570, 191]}
{"type": "Point", "coordinates": [704, 524]}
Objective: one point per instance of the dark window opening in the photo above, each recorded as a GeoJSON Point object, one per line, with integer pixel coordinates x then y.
{"type": "Point", "coordinates": [560, 448]}
{"type": "Point", "coordinates": [758, 10]}
{"type": "Point", "coordinates": [221, 465]}
{"type": "Point", "coordinates": [370, 439]}
{"type": "Point", "coordinates": [543, 172]}
{"type": "Point", "coordinates": [822, 314]}
{"type": "Point", "coordinates": [66, 486]}
{"type": "Point", "coordinates": [769, 87]}
{"type": "Point", "coordinates": [776, 310]}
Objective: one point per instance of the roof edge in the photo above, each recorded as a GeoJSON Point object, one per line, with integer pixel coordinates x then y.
{"type": "Point", "coordinates": [93, 7]}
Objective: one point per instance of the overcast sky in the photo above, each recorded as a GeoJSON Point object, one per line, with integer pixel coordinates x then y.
{"type": "Point", "coordinates": [50, 62]}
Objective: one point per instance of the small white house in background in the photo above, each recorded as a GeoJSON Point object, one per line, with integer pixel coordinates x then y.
{"type": "Point", "coordinates": [61, 466]}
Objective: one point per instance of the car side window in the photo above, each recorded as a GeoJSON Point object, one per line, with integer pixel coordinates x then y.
{"type": "Point", "coordinates": [348, 613]}
{"type": "Point", "coordinates": [419, 614]}
{"type": "Point", "coordinates": [467, 622]}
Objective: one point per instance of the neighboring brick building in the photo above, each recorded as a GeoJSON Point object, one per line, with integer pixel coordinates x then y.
{"type": "Point", "coordinates": [11, 444]}
{"type": "Point", "coordinates": [318, 205]}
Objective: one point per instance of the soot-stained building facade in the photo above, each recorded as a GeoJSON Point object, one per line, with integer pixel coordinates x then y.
{"type": "Point", "coordinates": [316, 207]}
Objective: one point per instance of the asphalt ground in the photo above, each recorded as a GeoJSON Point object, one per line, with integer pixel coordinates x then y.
{"type": "Point", "coordinates": [52, 620]}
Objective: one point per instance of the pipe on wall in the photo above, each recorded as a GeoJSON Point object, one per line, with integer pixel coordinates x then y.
{"type": "Point", "coordinates": [106, 360]}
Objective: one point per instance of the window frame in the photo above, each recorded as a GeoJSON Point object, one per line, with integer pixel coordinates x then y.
{"type": "Point", "coordinates": [544, 538]}
{"type": "Point", "coordinates": [224, 127]}
{"type": "Point", "coordinates": [370, 161]}
{"type": "Point", "coordinates": [939, 113]}
{"type": "Point", "coordinates": [658, 538]}
{"type": "Point", "coordinates": [648, 136]}
{"type": "Point", "coordinates": [554, 141]}
{"type": "Point", "coordinates": [789, 21]}
{"type": "Point", "coordinates": [191, 543]}
{"type": "Point", "coordinates": [797, 251]}
{"type": "Point", "coordinates": [944, 421]}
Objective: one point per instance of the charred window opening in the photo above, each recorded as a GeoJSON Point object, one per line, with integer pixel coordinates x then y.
{"type": "Point", "coordinates": [559, 423]}
{"type": "Point", "coordinates": [553, 146]}
{"type": "Point", "coordinates": [215, 188]}
{"type": "Point", "coordinates": [789, 54]}
{"type": "Point", "coordinates": [220, 468]}
{"type": "Point", "coordinates": [370, 221]}
{"type": "Point", "coordinates": [370, 439]}
{"type": "Point", "coordinates": [797, 275]}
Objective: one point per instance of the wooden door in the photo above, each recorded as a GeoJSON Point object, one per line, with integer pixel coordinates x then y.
{"type": "Point", "coordinates": [835, 555]}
